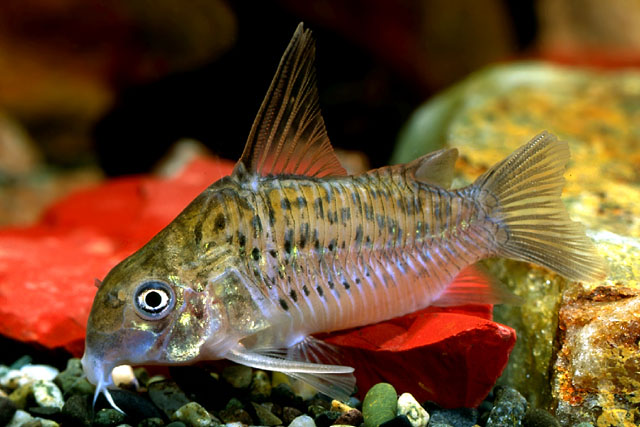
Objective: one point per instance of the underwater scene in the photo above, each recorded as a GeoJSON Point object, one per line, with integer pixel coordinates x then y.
{"type": "Point", "coordinates": [323, 213]}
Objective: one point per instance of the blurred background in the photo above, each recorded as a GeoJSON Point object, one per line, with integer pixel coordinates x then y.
{"type": "Point", "coordinates": [94, 89]}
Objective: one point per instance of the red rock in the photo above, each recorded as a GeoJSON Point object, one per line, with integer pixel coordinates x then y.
{"type": "Point", "coordinates": [47, 272]}
{"type": "Point", "coordinates": [451, 358]}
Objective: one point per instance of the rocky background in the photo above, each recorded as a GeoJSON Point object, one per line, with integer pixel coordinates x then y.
{"type": "Point", "coordinates": [94, 90]}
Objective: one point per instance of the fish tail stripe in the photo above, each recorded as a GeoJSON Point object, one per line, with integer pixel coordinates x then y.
{"type": "Point", "coordinates": [521, 195]}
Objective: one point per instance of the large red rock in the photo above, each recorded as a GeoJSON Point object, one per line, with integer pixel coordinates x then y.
{"type": "Point", "coordinates": [452, 356]}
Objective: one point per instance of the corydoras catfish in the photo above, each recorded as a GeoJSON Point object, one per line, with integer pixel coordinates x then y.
{"type": "Point", "coordinates": [290, 245]}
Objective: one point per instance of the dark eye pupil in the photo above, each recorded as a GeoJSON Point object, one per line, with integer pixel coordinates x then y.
{"type": "Point", "coordinates": [153, 299]}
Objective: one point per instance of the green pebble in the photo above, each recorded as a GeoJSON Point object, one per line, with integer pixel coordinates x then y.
{"type": "Point", "coordinates": [238, 376]}
{"type": "Point", "coordinates": [108, 417]}
{"type": "Point", "coordinates": [265, 416]}
{"type": "Point", "coordinates": [536, 417]}
{"type": "Point", "coordinates": [379, 405]}
{"type": "Point", "coordinates": [72, 380]}
{"type": "Point", "coordinates": [19, 396]}
{"type": "Point", "coordinates": [260, 386]}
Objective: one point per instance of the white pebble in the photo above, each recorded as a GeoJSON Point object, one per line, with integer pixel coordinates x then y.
{"type": "Point", "coordinates": [20, 418]}
{"type": "Point", "coordinates": [409, 406]}
{"type": "Point", "coordinates": [47, 394]}
{"type": "Point", "coordinates": [303, 421]}
{"type": "Point", "coordinates": [40, 372]}
{"type": "Point", "coordinates": [235, 424]}
{"type": "Point", "coordinates": [123, 376]}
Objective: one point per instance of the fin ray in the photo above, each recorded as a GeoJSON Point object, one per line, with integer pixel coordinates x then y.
{"type": "Point", "coordinates": [288, 135]}
{"type": "Point", "coordinates": [522, 194]}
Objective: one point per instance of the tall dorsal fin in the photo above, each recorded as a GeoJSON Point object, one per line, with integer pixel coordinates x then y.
{"type": "Point", "coordinates": [288, 135]}
{"type": "Point", "coordinates": [435, 168]}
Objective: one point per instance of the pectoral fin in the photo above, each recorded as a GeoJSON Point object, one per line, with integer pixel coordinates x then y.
{"type": "Point", "coordinates": [335, 381]}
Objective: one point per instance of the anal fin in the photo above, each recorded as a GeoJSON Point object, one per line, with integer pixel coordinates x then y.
{"type": "Point", "coordinates": [474, 285]}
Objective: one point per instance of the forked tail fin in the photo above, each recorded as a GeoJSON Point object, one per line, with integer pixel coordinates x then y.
{"type": "Point", "coordinates": [521, 194]}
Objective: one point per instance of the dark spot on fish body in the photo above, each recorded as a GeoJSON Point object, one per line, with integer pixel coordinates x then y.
{"type": "Point", "coordinates": [272, 215]}
{"type": "Point", "coordinates": [318, 208]}
{"type": "Point", "coordinates": [331, 284]}
{"type": "Point", "coordinates": [345, 214]}
{"type": "Point", "coordinates": [373, 193]}
{"type": "Point", "coordinates": [302, 202]}
{"type": "Point", "coordinates": [242, 239]}
{"type": "Point", "coordinates": [328, 196]}
{"type": "Point", "coordinates": [359, 233]}
{"type": "Point", "coordinates": [273, 253]}
{"type": "Point", "coordinates": [357, 280]}
{"type": "Point", "coordinates": [332, 217]}
{"type": "Point", "coordinates": [280, 274]}
{"type": "Point", "coordinates": [304, 234]}
{"type": "Point", "coordinates": [285, 204]}
{"type": "Point", "coordinates": [288, 241]}
{"type": "Point", "coordinates": [305, 290]}
{"type": "Point", "coordinates": [380, 219]}
{"type": "Point", "coordinates": [220, 222]}
{"type": "Point", "coordinates": [346, 285]}
{"type": "Point", "coordinates": [255, 254]}
{"type": "Point", "coordinates": [283, 304]}
{"type": "Point", "coordinates": [332, 245]}
{"type": "Point", "coordinates": [256, 224]}
{"type": "Point", "coordinates": [320, 291]}
{"type": "Point", "coordinates": [401, 205]}
{"type": "Point", "coordinates": [293, 295]}
{"type": "Point", "coordinates": [343, 244]}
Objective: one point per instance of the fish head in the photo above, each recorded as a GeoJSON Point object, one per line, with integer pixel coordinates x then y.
{"type": "Point", "coordinates": [150, 315]}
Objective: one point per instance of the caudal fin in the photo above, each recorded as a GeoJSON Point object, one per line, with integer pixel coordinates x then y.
{"type": "Point", "coordinates": [522, 195]}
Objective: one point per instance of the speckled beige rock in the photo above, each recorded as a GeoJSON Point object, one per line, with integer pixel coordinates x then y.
{"type": "Point", "coordinates": [486, 117]}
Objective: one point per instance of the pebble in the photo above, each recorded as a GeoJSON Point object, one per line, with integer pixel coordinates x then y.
{"type": "Point", "coordinates": [108, 417]}
{"type": "Point", "coordinates": [72, 379]}
{"type": "Point", "coordinates": [24, 360]}
{"type": "Point", "coordinates": [19, 396]}
{"type": "Point", "coordinates": [536, 417]}
{"type": "Point", "coordinates": [352, 417]}
{"type": "Point", "coordinates": [509, 408]}
{"type": "Point", "coordinates": [336, 405]}
{"type": "Point", "coordinates": [379, 405]}
{"type": "Point", "coordinates": [289, 414]}
{"type": "Point", "coordinates": [236, 415]}
{"type": "Point", "coordinates": [78, 410]}
{"type": "Point", "coordinates": [193, 415]}
{"type": "Point", "coordinates": [303, 421]}
{"type": "Point", "coordinates": [237, 376]}
{"type": "Point", "coordinates": [265, 416]}
{"type": "Point", "coordinates": [284, 395]}
{"type": "Point", "coordinates": [461, 417]}
{"type": "Point", "coordinates": [260, 386]}
{"type": "Point", "coordinates": [47, 394]}
{"type": "Point", "coordinates": [178, 424]}
{"type": "Point", "coordinates": [7, 410]}
{"type": "Point", "coordinates": [167, 396]}
{"type": "Point", "coordinates": [327, 418]}
{"type": "Point", "coordinates": [15, 378]}
{"type": "Point", "coordinates": [134, 405]}
{"type": "Point", "coordinates": [124, 377]}
{"type": "Point", "coordinates": [20, 418]}
{"type": "Point", "coordinates": [409, 406]}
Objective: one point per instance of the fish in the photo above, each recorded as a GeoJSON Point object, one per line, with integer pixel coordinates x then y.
{"type": "Point", "coordinates": [289, 245]}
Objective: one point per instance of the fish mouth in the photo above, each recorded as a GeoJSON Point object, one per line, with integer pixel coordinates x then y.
{"type": "Point", "coordinates": [99, 374]}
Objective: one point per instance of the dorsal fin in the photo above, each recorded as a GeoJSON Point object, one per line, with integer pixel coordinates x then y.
{"type": "Point", "coordinates": [288, 135]}
{"type": "Point", "coordinates": [435, 168]}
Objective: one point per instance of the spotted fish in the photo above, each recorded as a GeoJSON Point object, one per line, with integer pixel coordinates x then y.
{"type": "Point", "coordinates": [290, 245]}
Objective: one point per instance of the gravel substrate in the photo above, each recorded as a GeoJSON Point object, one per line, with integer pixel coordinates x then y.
{"type": "Point", "coordinates": [42, 395]}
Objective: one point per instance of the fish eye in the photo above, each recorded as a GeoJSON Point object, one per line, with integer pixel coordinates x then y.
{"type": "Point", "coordinates": [154, 300]}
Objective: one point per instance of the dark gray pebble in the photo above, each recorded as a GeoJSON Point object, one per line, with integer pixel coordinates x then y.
{"type": "Point", "coordinates": [439, 424]}
{"type": "Point", "coordinates": [316, 410]}
{"type": "Point", "coordinates": [234, 404]}
{"type": "Point", "coordinates": [135, 406]}
{"type": "Point", "coordinates": [77, 410]}
{"type": "Point", "coordinates": [327, 418]}
{"type": "Point", "coordinates": [7, 409]}
{"type": "Point", "coordinates": [462, 417]}
{"type": "Point", "coordinates": [509, 408]}
{"type": "Point", "coordinates": [237, 376]}
{"type": "Point", "coordinates": [289, 414]}
{"type": "Point", "coordinates": [283, 395]}
{"type": "Point", "coordinates": [200, 385]}
{"type": "Point", "coordinates": [177, 424]}
{"type": "Point", "coordinates": [72, 379]}
{"type": "Point", "coordinates": [151, 422]}
{"type": "Point", "coordinates": [399, 421]}
{"type": "Point", "coordinates": [108, 417]}
{"type": "Point", "coordinates": [167, 396]}
{"type": "Point", "coordinates": [265, 416]}
{"type": "Point", "coordinates": [50, 413]}
{"type": "Point", "coordinates": [352, 418]}
{"type": "Point", "coordinates": [536, 417]}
